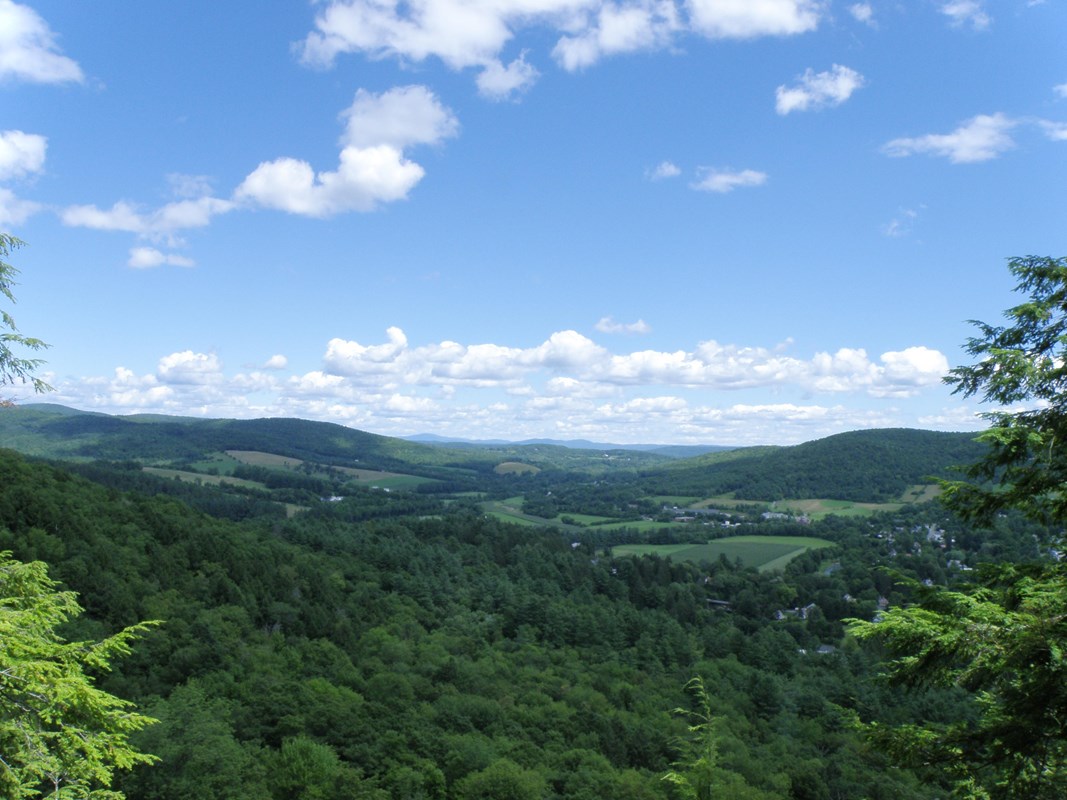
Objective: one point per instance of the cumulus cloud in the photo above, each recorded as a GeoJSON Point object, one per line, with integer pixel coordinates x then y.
{"type": "Point", "coordinates": [499, 82]}
{"type": "Point", "coordinates": [618, 29]}
{"type": "Point", "coordinates": [570, 356]}
{"type": "Point", "coordinates": [966, 12]}
{"type": "Point", "coordinates": [737, 19]}
{"type": "Point", "coordinates": [28, 48]}
{"type": "Point", "coordinates": [399, 118]}
{"type": "Point", "coordinates": [818, 90]}
{"type": "Point", "coordinates": [568, 386]}
{"type": "Point", "coordinates": [474, 33]}
{"type": "Point", "coordinates": [21, 154]}
{"type": "Point", "coordinates": [188, 367]}
{"type": "Point", "coordinates": [980, 138]}
{"type": "Point", "coordinates": [664, 169]}
{"type": "Point", "coordinates": [372, 168]}
{"type": "Point", "coordinates": [724, 181]}
{"type": "Point", "coordinates": [609, 325]}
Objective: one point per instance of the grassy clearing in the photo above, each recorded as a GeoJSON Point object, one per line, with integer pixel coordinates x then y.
{"type": "Point", "coordinates": [762, 552]}
{"type": "Point", "coordinates": [197, 477]}
{"type": "Point", "coordinates": [254, 458]}
{"type": "Point", "coordinates": [374, 477]}
{"type": "Point", "coordinates": [515, 468]}
{"type": "Point", "coordinates": [675, 500]}
{"type": "Point", "coordinates": [584, 519]}
{"type": "Point", "coordinates": [518, 519]}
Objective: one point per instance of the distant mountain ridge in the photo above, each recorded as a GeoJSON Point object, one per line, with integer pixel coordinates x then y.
{"type": "Point", "coordinates": [670, 450]}
{"type": "Point", "coordinates": [862, 466]}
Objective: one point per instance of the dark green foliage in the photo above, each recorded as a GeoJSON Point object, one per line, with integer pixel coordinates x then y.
{"type": "Point", "coordinates": [1023, 362]}
{"type": "Point", "coordinates": [862, 466]}
{"type": "Point", "coordinates": [1004, 639]}
{"type": "Point", "coordinates": [444, 656]}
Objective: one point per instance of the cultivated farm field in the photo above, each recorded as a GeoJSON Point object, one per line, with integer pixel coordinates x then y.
{"type": "Point", "coordinates": [765, 553]}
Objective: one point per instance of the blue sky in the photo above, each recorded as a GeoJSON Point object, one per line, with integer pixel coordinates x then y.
{"type": "Point", "coordinates": [690, 221]}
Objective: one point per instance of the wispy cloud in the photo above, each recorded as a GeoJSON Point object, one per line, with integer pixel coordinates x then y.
{"type": "Point", "coordinates": [609, 325]}
{"type": "Point", "coordinates": [967, 13]}
{"type": "Point", "coordinates": [980, 138]}
{"type": "Point", "coordinates": [862, 12]}
{"type": "Point", "coordinates": [724, 181]}
{"type": "Point", "coordinates": [818, 90]}
{"type": "Point", "coordinates": [664, 169]}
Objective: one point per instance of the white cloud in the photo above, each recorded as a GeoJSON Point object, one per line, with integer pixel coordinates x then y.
{"type": "Point", "coordinates": [1056, 131]}
{"type": "Point", "coordinates": [372, 169]}
{"type": "Point", "coordinates": [364, 178]}
{"type": "Point", "coordinates": [664, 169]}
{"type": "Point", "coordinates": [1060, 89]}
{"type": "Point", "coordinates": [21, 154]}
{"type": "Point", "coordinates": [724, 181]}
{"type": "Point", "coordinates": [618, 29]}
{"type": "Point", "coordinates": [14, 211]}
{"type": "Point", "coordinates": [399, 118]}
{"type": "Point", "coordinates": [818, 90]}
{"type": "Point", "coordinates": [608, 325]}
{"type": "Point", "coordinates": [149, 257]}
{"type": "Point", "coordinates": [188, 367]}
{"type": "Point", "coordinates": [862, 12]}
{"type": "Point", "coordinates": [498, 82]}
{"type": "Point", "coordinates": [980, 138]}
{"type": "Point", "coordinates": [966, 12]}
{"type": "Point", "coordinates": [161, 223]}
{"type": "Point", "coordinates": [746, 19]}
{"type": "Point", "coordinates": [28, 49]}
{"type": "Point", "coordinates": [474, 33]}
{"type": "Point", "coordinates": [902, 224]}
{"type": "Point", "coordinates": [566, 386]}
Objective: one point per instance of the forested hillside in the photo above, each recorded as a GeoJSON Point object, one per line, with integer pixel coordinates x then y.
{"type": "Point", "coordinates": [865, 466]}
{"type": "Point", "coordinates": [442, 655]}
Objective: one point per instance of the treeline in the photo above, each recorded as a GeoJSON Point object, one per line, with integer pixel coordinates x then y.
{"type": "Point", "coordinates": [447, 655]}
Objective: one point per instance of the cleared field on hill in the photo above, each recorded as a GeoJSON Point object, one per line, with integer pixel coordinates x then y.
{"type": "Point", "coordinates": [515, 468]}
{"type": "Point", "coordinates": [762, 552]}
{"type": "Point", "coordinates": [374, 477]}
{"type": "Point", "coordinates": [198, 477]}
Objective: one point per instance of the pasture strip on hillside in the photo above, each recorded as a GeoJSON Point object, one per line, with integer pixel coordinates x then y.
{"type": "Point", "coordinates": [762, 552]}
{"type": "Point", "coordinates": [199, 477]}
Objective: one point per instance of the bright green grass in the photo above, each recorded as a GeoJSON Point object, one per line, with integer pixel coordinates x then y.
{"type": "Point", "coordinates": [516, 519]}
{"type": "Point", "coordinates": [197, 477]}
{"type": "Point", "coordinates": [674, 500]}
{"type": "Point", "coordinates": [583, 519]}
{"type": "Point", "coordinates": [515, 468]}
{"type": "Point", "coordinates": [762, 552]}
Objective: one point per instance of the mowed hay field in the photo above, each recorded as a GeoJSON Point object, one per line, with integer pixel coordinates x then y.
{"type": "Point", "coordinates": [762, 552]}
{"type": "Point", "coordinates": [378, 478]}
